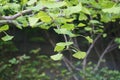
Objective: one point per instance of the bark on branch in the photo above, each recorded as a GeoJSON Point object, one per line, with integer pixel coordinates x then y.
{"type": "Point", "coordinates": [89, 50]}
{"type": "Point", "coordinates": [15, 16]}
{"type": "Point", "coordinates": [108, 49]}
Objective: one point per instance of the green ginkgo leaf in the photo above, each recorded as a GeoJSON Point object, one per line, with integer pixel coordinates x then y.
{"type": "Point", "coordinates": [59, 48]}
{"type": "Point", "coordinates": [33, 21]}
{"type": "Point", "coordinates": [64, 43]}
{"type": "Point", "coordinates": [7, 38]}
{"type": "Point", "coordinates": [73, 9]}
{"type": "Point", "coordinates": [57, 56]}
{"type": "Point", "coordinates": [52, 4]}
{"type": "Point", "coordinates": [88, 28]}
{"type": "Point", "coordinates": [61, 45]}
{"type": "Point", "coordinates": [65, 31]}
{"type": "Point", "coordinates": [44, 16]}
{"type": "Point", "coordinates": [4, 28]}
{"type": "Point", "coordinates": [79, 55]}
{"type": "Point", "coordinates": [114, 10]}
{"type": "Point", "coordinates": [68, 26]}
{"type": "Point", "coordinates": [30, 2]}
{"type": "Point", "coordinates": [90, 40]}
{"type": "Point", "coordinates": [81, 25]}
{"type": "Point", "coordinates": [85, 10]}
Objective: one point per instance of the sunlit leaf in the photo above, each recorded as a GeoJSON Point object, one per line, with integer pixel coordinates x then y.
{"type": "Point", "coordinates": [114, 10]}
{"type": "Point", "coordinates": [73, 9]}
{"type": "Point", "coordinates": [79, 55]}
{"type": "Point", "coordinates": [64, 43]}
{"type": "Point", "coordinates": [61, 31]}
{"type": "Point", "coordinates": [12, 6]}
{"type": "Point", "coordinates": [117, 40]}
{"type": "Point", "coordinates": [88, 28]}
{"type": "Point", "coordinates": [104, 35]}
{"type": "Point", "coordinates": [23, 21]}
{"type": "Point", "coordinates": [81, 25]}
{"type": "Point", "coordinates": [23, 57]}
{"type": "Point", "coordinates": [106, 17]}
{"type": "Point", "coordinates": [59, 48]}
{"type": "Point", "coordinates": [4, 28]}
{"type": "Point", "coordinates": [82, 16]}
{"type": "Point", "coordinates": [44, 16]}
{"type": "Point", "coordinates": [61, 45]}
{"type": "Point", "coordinates": [64, 31]}
{"type": "Point", "coordinates": [85, 10]}
{"type": "Point", "coordinates": [52, 4]}
{"type": "Point", "coordinates": [13, 61]}
{"type": "Point", "coordinates": [56, 56]}
{"type": "Point", "coordinates": [23, 2]}
{"type": "Point", "coordinates": [68, 26]}
{"type": "Point", "coordinates": [18, 25]}
{"type": "Point", "coordinates": [94, 22]}
{"type": "Point", "coordinates": [30, 2]}
{"type": "Point", "coordinates": [7, 38]}
{"type": "Point", "coordinates": [33, 21]}
{"type": "Point", "coordinates": [90, 40]}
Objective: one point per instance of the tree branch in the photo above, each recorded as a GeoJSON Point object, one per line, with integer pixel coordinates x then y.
{"type": "Point", "coordinates": [104, 52]}
{"type": "Point", "coordinates": [15, 16]}
{"type": "Point", "coordinates": [89, 50]}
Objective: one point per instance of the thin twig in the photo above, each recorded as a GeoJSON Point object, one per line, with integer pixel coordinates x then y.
{"type": "Point", "coordinates": [89, 50]}
{"type": "Point", "coordinates": [71, 65]}
{"type": "Point", "coordinates": [69, 68]}
{"type": "Point", "coordinates": [98, 53]}
{"type": "Point", "coordinates": [104, 52]}
{"type": "Point", "coordinates": [50, 40]}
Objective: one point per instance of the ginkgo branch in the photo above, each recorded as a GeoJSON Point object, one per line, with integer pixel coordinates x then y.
{"type": "Point", "coordinates": [15, 16]}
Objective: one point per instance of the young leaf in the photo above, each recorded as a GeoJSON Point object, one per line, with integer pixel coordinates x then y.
{"type": "Point", "coordinates": [18, 25]}
{"type": "Point", "coordinates": [30, 2]}
{"type": "Point", "coordinates": [33, 21]}
{"type": "Point", "coordinates": [114, 10]}
{"type": "Point", "coordinates": [44, 16]}
{"type": "Point", "coordinates": [61, 31]}
{"type": "Point", "coordinates": [89, 39]}
{"type": "Point", "coordinates": [79, 55]}
{"type": "Point", "coordinates": [94, 22]}
{"type": "Point", "coordinates": [104, 35]}
{"type": "Point", "coordinates": [23, 21]}
{"type": "Point", "coordinates": [7, 38]}
{"type": "Point", "coordinates": [61, 45]}
{"type": "Point", "coordinates": [13, 61]}
{"type": "Point", "coordinates": [106, 17]}
{"type": "Point", "coordinates": [52, 4]}
{"type": "Point", "coordinates": [64, 43]}
{"type": "Point", "coordinates": [82, 16]}
{"type": "Point", "coordinates": [117, 40]}
{"type": "Point", "coordinates": [73, 9]}
{"type": "Point", "coordinates": [4, 28]}
{"type": "Point", "coordinates": [68, 26]}
{"type": "Point", "coordinates": [81, 25]}
{"type": "Point", "coordinates": [64, 31]}
{"type": "Point", "coordinates": [56, 56]}
{"type": "Point", "coordinates": [85, 10]}
{"type": "Point", "coordinates": [88, 28]}
{"type": "Point", "coordinates": [59, 48]}
{"type": "Point", "coordinates": [23, 2]}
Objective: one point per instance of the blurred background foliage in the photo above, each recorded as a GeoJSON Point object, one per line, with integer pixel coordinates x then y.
{"type": "Point", "coordinates": [59, 39]}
